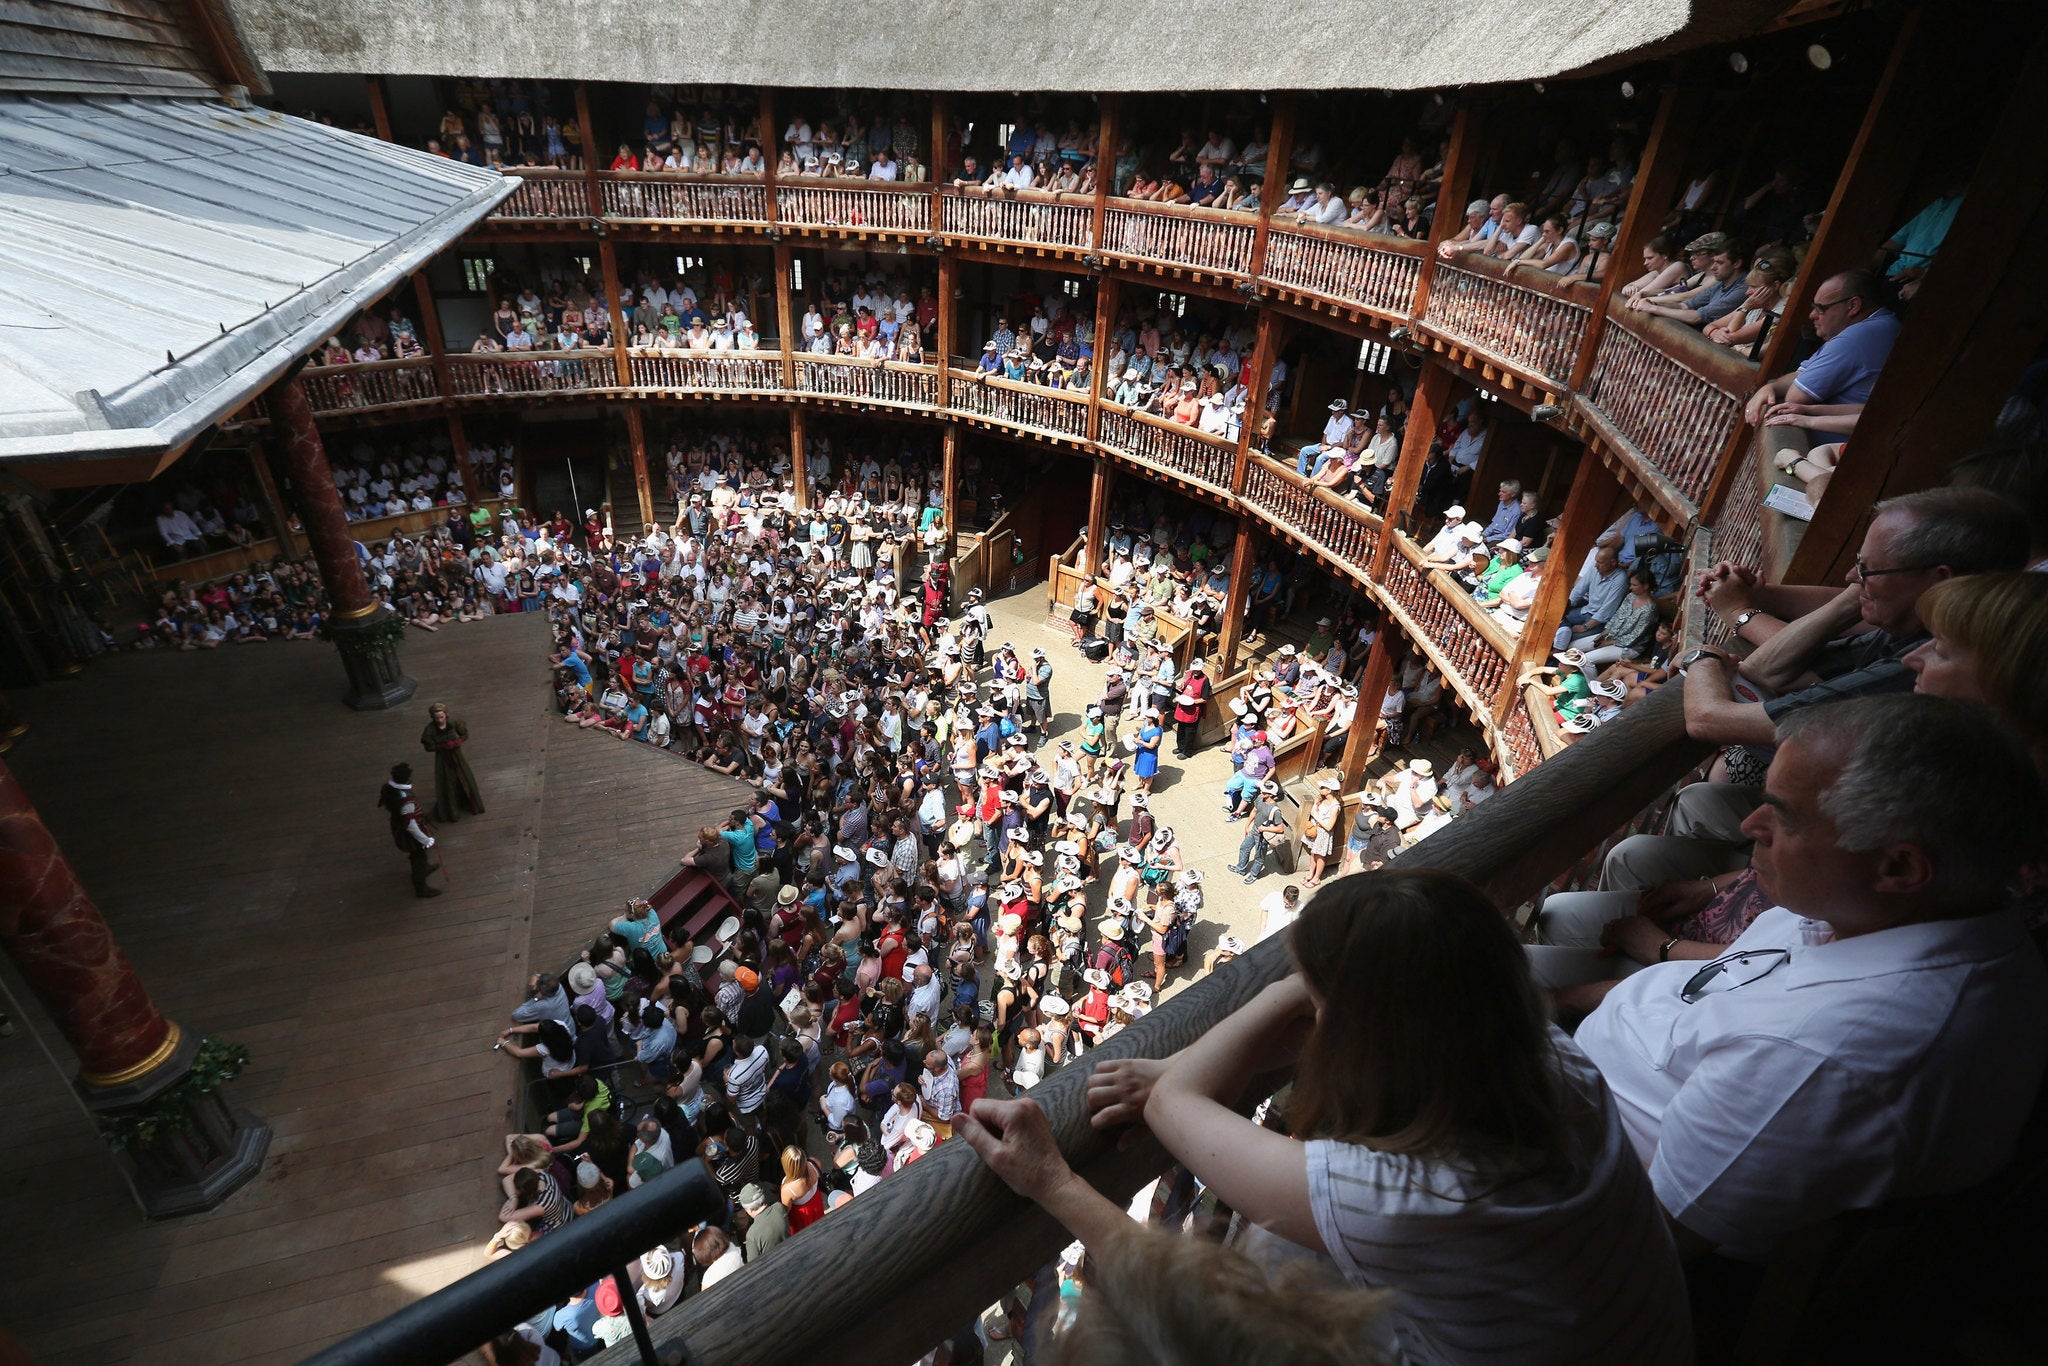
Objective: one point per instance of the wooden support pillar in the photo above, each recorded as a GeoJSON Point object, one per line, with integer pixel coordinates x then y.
{"type": "Point", "coordinates": [592, 189]}
{"type": "Point", "coordinates": [1106, 134]}
{"type": "Point", "coordinates": [636, 441]}
{"type": "Point", "coordinates": [799, 459]}
{"type": "Point", "coordinates": [1279, 148]}
{"type": "Point", "coordinates": [942, 119]}
{"type": "Point", "coordinates": [1265, 347]}
{"type": "Point", "coordinates": [1460, 167]}
{"type": "Point", "coordinates": [437, 345]}
{"type": "Point", "coordinates": [1585, 507]}
{"type": "Point", "coordinates": [380, 110]}
{"type": "Point", "coordinates": [273, 505]}
{"type": "Point", "coordinates": [950, 476]}
{"type": "Point", "coordinates": [1976, 321]}
{"type": "Point", "coordinates": [1099, 378]}
{"type": "Point", "coordinates": [458, 451]}
{"type": "Point", "coordinates": [769, 141]}
{"type": "Point", "coordinates": [1657, 180]}
{"type": "Point", "coordinates": [1100, 487]}
{"type": "Point", "coordinates": [1875, 175]}
{"type": "Point", "coordinates": [1372, 686]}
{"type": "Point", "coordinates": [785, 315]}
{"type": "Point", "coordinates": [1425, 414]}
{"type": "Point", "coordinates": [948, 285]}
{"type": "Point", "coordinates": [1230, 633]}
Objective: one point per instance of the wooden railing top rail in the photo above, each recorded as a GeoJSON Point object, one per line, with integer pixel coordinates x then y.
{"type": "Point", "coordinates": [855, 362]}
{"type": "Point", "coordinates": [682, 177]}
{"type": "Point", "coordinates": [866, 1272]}
{"type": "Point", "coordinates": [1018, 386]}
{"type": "Point", "coordinates": [1535, 281]}
{"type": "Point", "coordinates": [1239, 217]}
{"type": "Point", "coordinates": [539, 173]}
{"type": "Point", "coordinates": [1355, 237]}
{"type": "Point", "coordinates": [361, 367]}
{"type": "Point", "coordinates": [1688, 347]}
{"type": "Point", "coordinates": [1543, 723]}
{"type": "Point", "coordinates": [1023, 196]}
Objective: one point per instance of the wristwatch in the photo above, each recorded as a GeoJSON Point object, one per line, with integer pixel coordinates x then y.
{"type": "Point", "coordinates": [1743, 617]}
{"type": "Point", "coordinates": [1664, 949]}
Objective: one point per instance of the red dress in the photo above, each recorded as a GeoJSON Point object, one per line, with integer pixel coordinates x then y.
{"type": "Point", "coordinates": [810, 1211]}
{"type": "Point", "coordinates": [973, 1088]}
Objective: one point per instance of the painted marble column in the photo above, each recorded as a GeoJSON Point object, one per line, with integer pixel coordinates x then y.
{"type": "Point", "coordinates": [364, 631]}
{"type": "Point", "coordinates": [319, 502]}
{"type": "Point", "coordinates": [198, 1149]}
{"type": "Point", "coordinates": [55, 935]}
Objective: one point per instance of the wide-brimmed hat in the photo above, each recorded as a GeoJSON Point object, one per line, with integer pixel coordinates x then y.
{"type": "Point", "coordinates": [1112, 930]}
{"type": "Point", "coordinates": [1421, 768]}
{"type": "Point", "coordinates": [1053, 1005]}
{"type": "Point", "coordinates": [1097, 978]}
{"type": "Point", "coordinates": [582, 979]}
{"type": "Point", "coordinates": [787, 896]}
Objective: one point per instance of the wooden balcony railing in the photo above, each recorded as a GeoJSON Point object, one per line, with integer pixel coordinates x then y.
{"type": "Point", "coordinates": [751, 371]}
{"type": "Point", "coordinates": [1207, 460]}
{"type": "Point", "coordinates": [540, 372]}
{"type": "Point", "coordinates": [1030, 406]}
{"type": "Point", "coordinates": [668, 197]}
{"type": "Point", "coordinates": [1029, 218]}
{"type": "Point", "coordinates": [1337, 528]}
{"type": "Point", "coordinates": [1445, 622]}
{"type": "Point", "coordinates": [1378, 274]}
{"type": "Point", "coordinates": [1529, 323]}
{"type": "Point", "coordinates": [869, 381]}
{"type": "Point", "coordinates": [369, 384]}
{"type": "Point", "coordinates": [1180, 235]}
{"type": "Point", "coordinates": [546, 193]}
{"type": "Point", "coordinates": [1668, 398]}
{"type": "Point", "coordinates": [1519, 739]}
{"type": "Point", "coordinates": [893, 209]}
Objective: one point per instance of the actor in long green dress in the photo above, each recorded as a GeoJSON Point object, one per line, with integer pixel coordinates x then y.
{"type": "Point", "coordinates": [455, 788]}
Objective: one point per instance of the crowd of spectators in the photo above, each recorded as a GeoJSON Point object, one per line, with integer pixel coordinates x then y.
{"type": "Point", "coordinates": [870, 315]}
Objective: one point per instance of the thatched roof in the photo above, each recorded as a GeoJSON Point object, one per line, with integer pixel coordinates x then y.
{"type": "Point", "coordinates": [1137, 45]}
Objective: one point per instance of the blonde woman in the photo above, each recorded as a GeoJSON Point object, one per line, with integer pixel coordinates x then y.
{"type": "Point", "coordinates": [803, 1192]}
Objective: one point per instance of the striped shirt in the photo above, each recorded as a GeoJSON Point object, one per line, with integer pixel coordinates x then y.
{"type": "Point", "coordinates": [1577, 1267]}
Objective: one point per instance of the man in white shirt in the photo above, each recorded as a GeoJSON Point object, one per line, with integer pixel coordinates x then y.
{"type": "Point", "coordinates": [1336, 431]}
{"type": "Point", "coordinates": [884, 168]}
{"type": "Point", "coordinates": [1018, 177]}
{"type": "Point", "coordinates": [177, 528]}
{"type": "Point", "coordinates": [1465, 450]}
{"type": "Point", "coordinates": [1880, 1034]}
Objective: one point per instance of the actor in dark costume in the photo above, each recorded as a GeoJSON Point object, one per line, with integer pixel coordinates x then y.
{"type": "Point", "coordinates": [407, 832]}
{"type": "Point", "coordinates": [455, 788]}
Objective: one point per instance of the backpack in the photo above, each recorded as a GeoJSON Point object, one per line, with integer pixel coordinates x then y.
{"type": "Point", "coordinates": [1175, 940]}
{"type": "Point", "coordinates": [1113, 958]}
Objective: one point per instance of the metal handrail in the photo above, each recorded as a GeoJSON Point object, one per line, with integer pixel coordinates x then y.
{"type": "Point", "coordinates": [450, 1323]}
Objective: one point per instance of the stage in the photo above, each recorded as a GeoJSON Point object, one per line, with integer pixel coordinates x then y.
{"type": "Point", "coordinates": [221, 809]}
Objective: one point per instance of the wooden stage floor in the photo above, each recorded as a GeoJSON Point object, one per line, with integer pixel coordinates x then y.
{"type": "Point", "coordinates": [220, 809]}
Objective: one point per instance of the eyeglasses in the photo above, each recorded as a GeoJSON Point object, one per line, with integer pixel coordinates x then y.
{"type": "Point", "coordinates": [1863, 571]}
{"type": "Point", "coordinates": [1733, 970]}
{"type": "Point", "coordinates": [1819, 309]}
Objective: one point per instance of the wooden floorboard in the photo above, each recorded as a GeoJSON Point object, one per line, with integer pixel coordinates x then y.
{"type": "Point", "coordinates": [220, 808]}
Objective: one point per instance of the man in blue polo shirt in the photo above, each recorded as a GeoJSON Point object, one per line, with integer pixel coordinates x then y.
{"type": "Point", "coordinates": [1828, 392]}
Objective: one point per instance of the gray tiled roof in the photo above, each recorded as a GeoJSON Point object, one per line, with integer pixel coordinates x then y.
{"type": "Point", "coordinates": [161, 261]}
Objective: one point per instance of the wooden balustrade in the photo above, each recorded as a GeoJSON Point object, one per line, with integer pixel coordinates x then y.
{"type": "Point", "coordinates": [1524, 323]}
{"type": "Point", "coordinates": [1445, 630]}
{"type": "Point", "coordinates": [545, 193]}
{"type": "Point", "coordinates": [673, 198]}
{"type": "Point", "coordinates": [1019, 405]}
{"type": "Point", "coordinates": [1739, 529]}
{"type": "Point", "coordinates": [893, 209]}
{"type": "Point", "coordinates": [541, 372]}
{"type": "Point", "coordinates": [868, 381]}
{"type": "Point", "coordinates": [1335, 527]}
{"type": "Point", "coordinates": [1377, 274]}
{"type": "Point", "coordinates": [1669, 397]}
{"type": "Point", "coordinates": [1180, 235]}
{"type": "Point", "coordinates": [369, 384]}
{"type": "Point", "coordinates": [1208, 460]}
{"type": "Point", "coordinates": [737, 370]}
{"type": "Point", "coordinates": [1518, 738]}
{"type": "Point", "coordinates": [1027, 217]}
